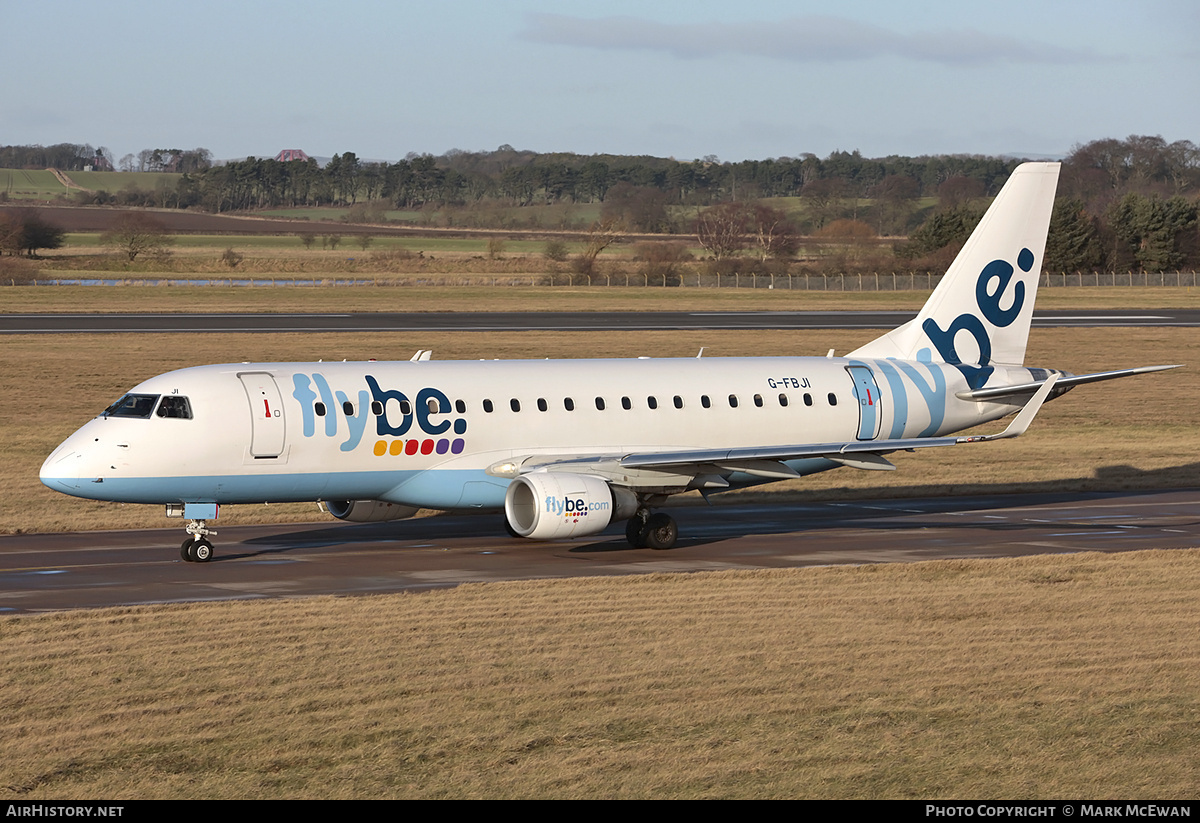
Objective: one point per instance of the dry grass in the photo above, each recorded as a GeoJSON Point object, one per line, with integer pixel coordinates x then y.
{"type": "Point", "coordinates": [1128, 434]}
{"type": "Point", "coordinates": [1045, 677]}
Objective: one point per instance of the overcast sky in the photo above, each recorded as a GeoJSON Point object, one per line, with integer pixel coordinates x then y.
{"type": "Point", "coordinates": [671, 79]}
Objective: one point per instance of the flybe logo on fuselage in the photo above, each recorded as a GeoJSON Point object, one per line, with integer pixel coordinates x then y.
{"type": "Point", "coordinates": [989, 305]}
{"type": "Point", "coordinates": [395, 416]}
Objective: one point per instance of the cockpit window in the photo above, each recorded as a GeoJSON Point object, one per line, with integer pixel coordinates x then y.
{"type": "Point", "coordinates": [177, 406]}
{"type": "Point", "coordinates": [133, 405]}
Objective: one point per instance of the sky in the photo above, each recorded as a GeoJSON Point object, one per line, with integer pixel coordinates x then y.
{"type": "Point", "coordinates": [750, 80]}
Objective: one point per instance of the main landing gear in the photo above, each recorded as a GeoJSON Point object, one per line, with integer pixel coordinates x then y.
{"type": "Point", "coordinates": [196, 548]}
{"type": "Point", "coordinates": [651, 531]}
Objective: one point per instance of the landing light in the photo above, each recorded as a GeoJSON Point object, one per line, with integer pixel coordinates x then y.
{"type": "Point", "coordinates": [506, 469]}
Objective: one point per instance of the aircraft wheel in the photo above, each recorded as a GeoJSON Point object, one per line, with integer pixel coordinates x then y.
{"type": "Point", "coordinates": [201, 551]}
{"type": "Point", "coordinates": [185, 549]}
{"type": "Point", "coordinates": [660, 532]}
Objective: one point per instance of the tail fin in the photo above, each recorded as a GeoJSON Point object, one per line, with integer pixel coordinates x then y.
{"type": "Point", "coordinates": [979, 314]}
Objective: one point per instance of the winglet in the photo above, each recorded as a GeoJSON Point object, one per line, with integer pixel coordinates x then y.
{"type": "Point", "coordinates": [1021, 422]}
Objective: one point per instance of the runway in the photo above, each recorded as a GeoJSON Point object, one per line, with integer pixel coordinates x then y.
{"type": "Point", "coordinates": [539, 321]}
{"type": "Point", "coordinates": [87, 570]}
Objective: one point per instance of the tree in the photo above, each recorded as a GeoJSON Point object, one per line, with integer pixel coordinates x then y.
{"type": "Point", "coordinates": [603, 233]}
{"type": "Point", "coordinates": [136, 233]}
{"type": "Point", "coordinates": [950, 227]}
{"type": "Point", "coordinates": [12, 232]}
{"type": "Point", "coordinates": [26, 231]}
{"type": "Point", "coordinates": [40, 234]}
{"type": "Point", "coordinates": [641, 208]}
{"type": "Point", "coordinates": [773, 231]}
{"type": "Point", "coordinates": [959, 191]}
{"type": "Point", "coordinates": [1074, 240]}
{"type": "Point", "coordinates": [895, 196]}
{"type": "Point", "coordinates": [722, 229]}
{"type": "Point", "coordinates": [1153, 230]}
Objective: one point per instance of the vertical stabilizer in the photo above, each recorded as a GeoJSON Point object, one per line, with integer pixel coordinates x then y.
{"type": "Point", "coordinates": [979, 314]}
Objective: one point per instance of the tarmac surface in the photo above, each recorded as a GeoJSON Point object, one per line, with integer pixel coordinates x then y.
{"type": "Point", "coordinates": [53, 572]}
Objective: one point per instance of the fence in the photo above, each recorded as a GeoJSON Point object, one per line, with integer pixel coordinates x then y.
{"type": "Point", "coordinates": [890, 281]}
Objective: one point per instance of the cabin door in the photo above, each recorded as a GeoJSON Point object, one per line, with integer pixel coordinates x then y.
{"type": "Point", "coordinates": [870, 406]}
{"type": "Point", "coordinates": [266, 414]}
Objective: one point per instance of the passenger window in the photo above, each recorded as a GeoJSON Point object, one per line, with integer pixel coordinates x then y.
{"type": "Point", "coordinates": [807, 399]}
{"type": "Point", "coordinates": [733, 401]}
{"type": "Point", "coordinates": [405, 408]}
{"type": "Point", "coordinates": [678, 402]}
{"type": "Point", "coordinates": [514, 404]}
{"type": "Point", "coordinates": [348, 409]}
{"type": "Point", "coordinates": [652, 402]}
{"type": "Point", "coordinates": [376, 408]}
{"type": "Point", "coordinates": [783, 400]}
{"type": "Point", "coordinates": [460, 407]}
{"type": "Point", "coordinates": [175, 406]}
{"type": "Point", "coordinates": [832, 399]}
{"type": "Point", "coordinates": [320, 409]}
{"type": "Point", "coordinates": [568, 404]}
{"type": "Point", "coordinates": [625, 404]}
{"type": "Point", "coordinates": [758, 400]}
{"type": "Point", "coordinates": [600, 404]}
{"type": "Point", "coordinates": [541, 404]}
{"type": "Point", "coordinates": [487, 406]}
{"type": "Point", "coordinates": [432, 403]}
{"type": "Point", "coordinates": [705, 402]}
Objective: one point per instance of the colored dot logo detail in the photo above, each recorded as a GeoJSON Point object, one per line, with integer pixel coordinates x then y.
{"type": "Point", "coordinates": [417, 445]}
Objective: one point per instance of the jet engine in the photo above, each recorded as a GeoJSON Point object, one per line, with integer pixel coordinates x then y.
{"type": "Point", "coordinates": [549, 505]}
{"type": "Point", "coordinates": [368, 511]}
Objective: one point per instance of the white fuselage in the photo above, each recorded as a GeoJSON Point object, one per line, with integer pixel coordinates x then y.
{"type": "Point", "coordinates": [424, 434]}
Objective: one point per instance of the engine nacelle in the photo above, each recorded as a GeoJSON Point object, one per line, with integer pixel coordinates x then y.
{"type": "Point", "coordinates": [368, 511]}
{"type": "Point", "coordinates": [549, 505]}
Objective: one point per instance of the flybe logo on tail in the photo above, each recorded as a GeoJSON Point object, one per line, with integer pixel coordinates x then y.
{"type": "Point", "coordinates": [990, 297]}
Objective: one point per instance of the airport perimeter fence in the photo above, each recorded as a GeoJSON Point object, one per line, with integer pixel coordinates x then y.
{"type": "Point", "coordinates": [883, 281]}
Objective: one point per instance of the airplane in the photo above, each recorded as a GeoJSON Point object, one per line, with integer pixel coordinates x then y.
{"type": "Point", "coordinates": [566, 447]}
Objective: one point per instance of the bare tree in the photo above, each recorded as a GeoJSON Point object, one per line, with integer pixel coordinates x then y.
{"type": "Point", "coordinates": [773, 231]}
{"type": "Point", "coordinates": [136, 233]}
{"type": "Point", "coordinates": [603, 233]}
{"type": "Point", "coordinates": [958, 191]}
{"type": "Point", "coordinates": [722, 229]}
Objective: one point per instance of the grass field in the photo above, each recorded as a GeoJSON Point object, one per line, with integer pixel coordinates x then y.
{"type": "Point", "coordinates": [1042, 677]}
{"type": "Point", "coordinates": [28, 184]}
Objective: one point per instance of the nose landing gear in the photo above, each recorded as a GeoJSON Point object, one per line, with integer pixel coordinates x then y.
{"type": "Point", "coordinates": [196, 548]}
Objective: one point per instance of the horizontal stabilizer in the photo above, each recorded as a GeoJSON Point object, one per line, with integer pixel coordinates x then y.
{"type": "Point", "coordinates": [1065, 382]}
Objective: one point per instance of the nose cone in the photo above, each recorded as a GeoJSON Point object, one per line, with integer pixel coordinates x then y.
{"type": "Point", "coordinates": [61, 469]}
